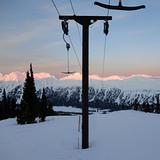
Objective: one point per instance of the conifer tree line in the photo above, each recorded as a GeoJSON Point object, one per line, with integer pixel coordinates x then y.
{"type": "Point", "coordinates": [146, 107]}
{"type": "Point", "coordinates": [7, 106]}
{"type": "Point", "coordinates": [31, 106]}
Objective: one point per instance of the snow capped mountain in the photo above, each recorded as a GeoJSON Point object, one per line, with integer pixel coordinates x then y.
{"type": "Point", "coordinates": [78, 76]}
{"type": "Point", "coordinates": [20, 76]}
{"type": "Point", "coordinates": [43, 75]}
{"type": "Point", "coordinates": [13, 76]}
{"type": "Point", "coordinates": [103, 91]}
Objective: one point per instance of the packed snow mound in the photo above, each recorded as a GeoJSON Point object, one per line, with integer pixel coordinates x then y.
{"type": "Point", "coordinates": [123, 135]}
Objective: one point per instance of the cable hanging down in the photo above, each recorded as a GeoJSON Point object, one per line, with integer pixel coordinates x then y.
{"type": "Point", "coordinates": [72, 7]}
{"type": "Point", "coordinates": [76, 22]}
{"type": "Point", "coordinates": [65, 30]}
{"type": "Point", "coordinates": [105, 31]}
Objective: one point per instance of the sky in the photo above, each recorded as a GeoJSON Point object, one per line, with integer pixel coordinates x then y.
{"type": "Point", "coordinates": [30, 31]}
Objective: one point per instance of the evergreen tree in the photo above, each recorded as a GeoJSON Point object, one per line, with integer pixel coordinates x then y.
{"type": "Point", "coordinates": [158, 104]}
{"type": "Point", "coordinates": [12, 108]}
{"type": "Point", "coordinates": [1, 110]}
{"type": "Point", "coordinates": [43, 107]}
{"type": "Point", "coordinates": [34, 100]}
{"type": "Point", "coordinates": [5, 108]}
{"type": "Point", "coordinates": [136, 104]}
{"type": "Point", "coordinates": [8, 107]}
{"type": "Point", "coordinates": [28, 110]}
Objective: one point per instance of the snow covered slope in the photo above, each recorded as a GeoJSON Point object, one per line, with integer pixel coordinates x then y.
{"type": "Point", "coordinates": [123, 135]}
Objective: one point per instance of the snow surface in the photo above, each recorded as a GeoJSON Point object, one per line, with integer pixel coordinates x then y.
{"type": "Point", "coordinates": [67, 109]}
{"type": "Point", "coordinates": [123, 135]}
{"type": "Point", "coordinates": [72, 109]}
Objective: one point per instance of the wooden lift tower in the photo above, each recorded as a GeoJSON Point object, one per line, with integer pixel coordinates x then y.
{"type": "Point", "coordinates": [86, 21]}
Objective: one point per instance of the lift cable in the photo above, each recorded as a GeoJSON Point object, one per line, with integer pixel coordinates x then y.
{"type": "Point", "coordinates": [76, 22]}
{"type": "Point", "coordinates": [72, 7]}
{"type": "Point", "coordinates": [74, 50]}
{"type": "Point", "coordinates": [106, 30]}
{"type": "Point", "coordinates": [55, 7]}
{"type": "Point", "coordinates": [65, 30]}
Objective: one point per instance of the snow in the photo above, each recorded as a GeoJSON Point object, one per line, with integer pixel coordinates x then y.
{"type": "Point", "coordinates": [71, 109]}
{"type": "Point", "coordinates": [67, 109]}
{"type": "Point", "coordinates": [123, 135]}
{"type": "Point", "coordinates": [42, 80]}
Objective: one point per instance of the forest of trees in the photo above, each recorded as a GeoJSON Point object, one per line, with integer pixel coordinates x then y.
{"type": "Point", "coordinates": [7, 107]}
{"type": "Point", "coordinates": [146, 107]}
{"type": "Point", "coordinates": [31, 106]}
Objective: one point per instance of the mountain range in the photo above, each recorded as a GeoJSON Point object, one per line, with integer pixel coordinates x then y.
{"type": "Point", "coordinates": [103, 92]}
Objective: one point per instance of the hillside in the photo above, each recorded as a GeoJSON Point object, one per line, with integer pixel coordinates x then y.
{"type": "Point", "coordinates": [123, 135]}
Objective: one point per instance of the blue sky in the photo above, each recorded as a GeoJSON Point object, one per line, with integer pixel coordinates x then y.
{"type": "Point", "coordinates": [31, 32]}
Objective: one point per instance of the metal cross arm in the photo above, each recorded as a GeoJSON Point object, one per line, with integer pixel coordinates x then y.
{"type": "Point", "coordinates": [84, 19]}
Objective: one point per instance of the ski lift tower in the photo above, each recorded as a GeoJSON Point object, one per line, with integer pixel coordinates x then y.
{"type": "Point", "coordinates": [86, 21]}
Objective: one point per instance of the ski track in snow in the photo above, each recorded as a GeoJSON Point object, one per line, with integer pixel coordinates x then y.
{"type": "Point", "coordinates": [122, 135]}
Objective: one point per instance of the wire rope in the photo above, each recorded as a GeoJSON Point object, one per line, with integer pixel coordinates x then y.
{"type": "Point", "coordinates": [70, 39]}
{"type": "Point", "coordinates": [55, 7]}
{"type": "Point", "coordinates": [74, 50]}
{"type": "Point", "coordinates": [104, 50]}
{"type": "Point", "coordinates": [76, 22]}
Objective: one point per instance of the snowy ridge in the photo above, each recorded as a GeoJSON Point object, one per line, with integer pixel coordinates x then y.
{"type": "Point", "coordinates": [67, 91]}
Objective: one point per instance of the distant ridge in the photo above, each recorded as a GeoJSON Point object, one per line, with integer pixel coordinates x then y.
{"type": "Point", "coordinates": [20, 76]}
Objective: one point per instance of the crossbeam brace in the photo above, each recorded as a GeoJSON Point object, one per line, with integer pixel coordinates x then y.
{"type": "Point", "coordinates": [84, 19]}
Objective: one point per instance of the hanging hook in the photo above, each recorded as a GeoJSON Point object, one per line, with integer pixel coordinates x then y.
{"type": "Point", "coordinates": [106, 28]}
{"type": "Point", "coordinates": [68, 62]}
{"type": "Point", "coordinates": [67, 44]}
{"type": "Point", "coordinates": [65, 27]}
